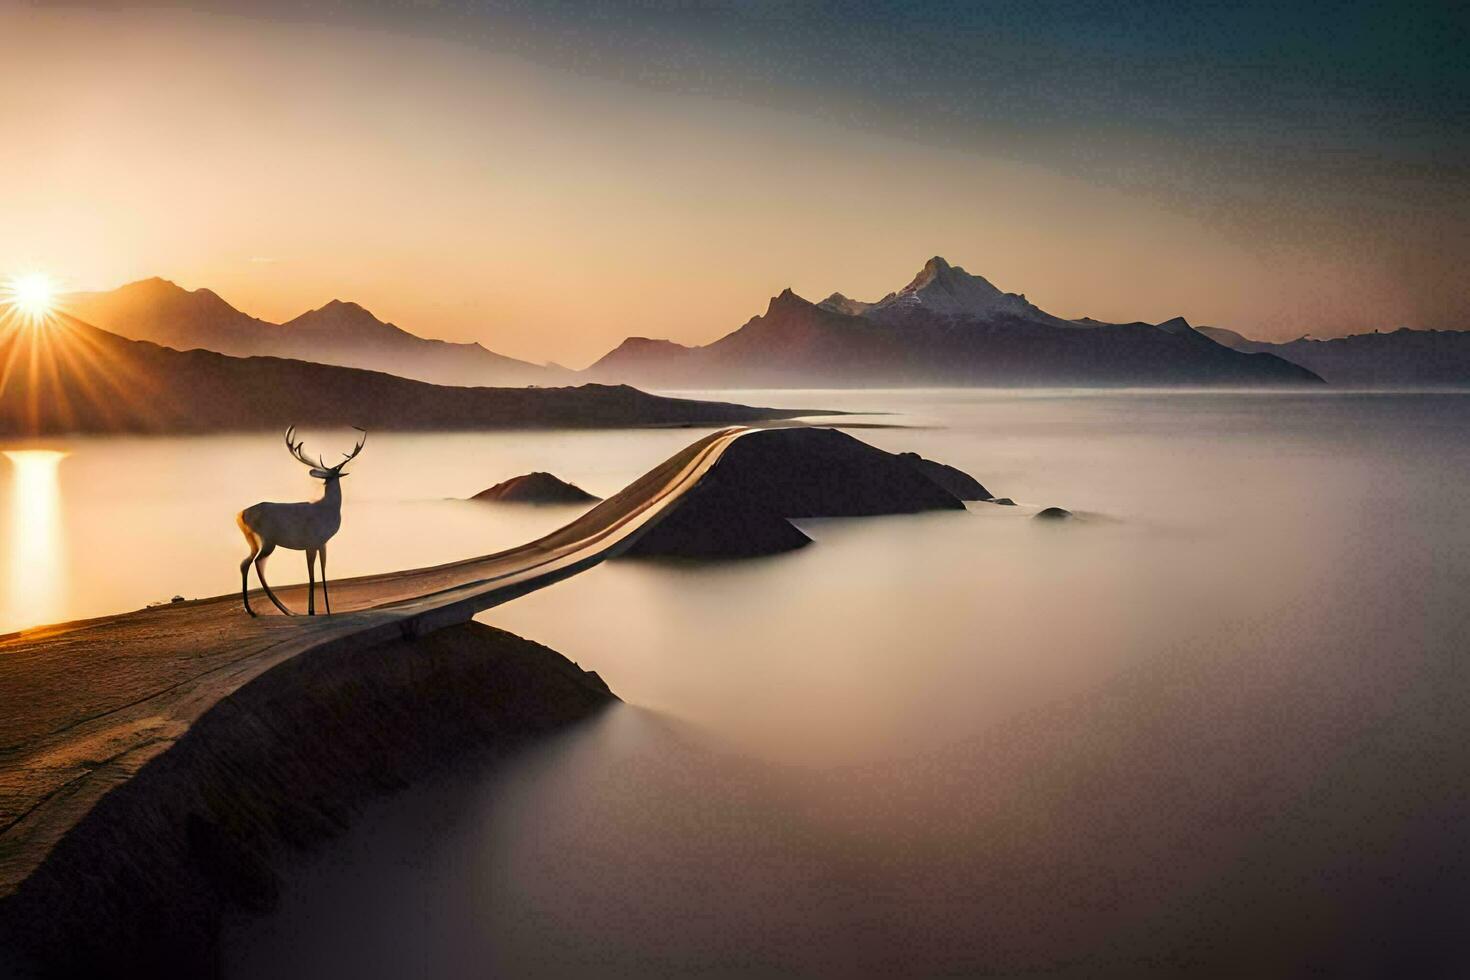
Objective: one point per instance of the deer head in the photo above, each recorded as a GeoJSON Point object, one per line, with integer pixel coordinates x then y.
{"type": "Point", "coordinates": [318, 467]}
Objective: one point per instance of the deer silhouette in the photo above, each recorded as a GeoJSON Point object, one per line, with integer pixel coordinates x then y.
{"type": "Point", "coordinates": [306, 526]}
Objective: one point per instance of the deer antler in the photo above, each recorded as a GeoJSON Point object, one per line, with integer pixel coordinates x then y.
{"type": "Point", "coordinates": [348, 457]}
{"type": "Point", "coordinates": [320, 462]}
{"type": "Point", "coordinates": [295, 449]}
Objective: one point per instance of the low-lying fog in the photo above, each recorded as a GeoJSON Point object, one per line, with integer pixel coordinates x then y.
{"type": "Point", "coordinates": [1216, 723]}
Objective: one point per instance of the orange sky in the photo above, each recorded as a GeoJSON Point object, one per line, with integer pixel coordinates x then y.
{"type": "Point", "coordinates": [472, 195]}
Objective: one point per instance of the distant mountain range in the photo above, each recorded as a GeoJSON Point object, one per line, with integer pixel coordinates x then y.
{"type": "Point", "coordinates": [1404, 357]}
{"type": "Point", "coordinates": [345, 334]}
{"type": "Point", "coordinates": [946, 327]}
{"type": "Point", "coordinates": [69, 377]}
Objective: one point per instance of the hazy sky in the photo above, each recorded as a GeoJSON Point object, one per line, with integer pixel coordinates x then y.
{"type": "Point", "coordinates": [548, 178]}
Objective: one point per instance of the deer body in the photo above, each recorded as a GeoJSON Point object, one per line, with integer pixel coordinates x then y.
{"type": "Point", "coordinates": [296, 526]}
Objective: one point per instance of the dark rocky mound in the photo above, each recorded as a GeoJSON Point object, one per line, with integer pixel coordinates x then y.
{"type": "Point", "coordinates": [719, 525]}
{"type": "Point", "coordinates": [536, 488]}
{"type": "Point", "coordinates": [1053, 514]}
{"type": "Point", "coordinates": [741, 506]}
{"type": "Point", "coordinates": [818, 472]}
{"type": "Point", "coordinates": [1003, 501]}
{"type": "Point", "coordinates": [140, 885]}
{"type": "Point", "coordinates": [956, 481]}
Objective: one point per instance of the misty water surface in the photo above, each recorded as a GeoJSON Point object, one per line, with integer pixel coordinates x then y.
{"type": "Point", "coordinates": [1218, 723]}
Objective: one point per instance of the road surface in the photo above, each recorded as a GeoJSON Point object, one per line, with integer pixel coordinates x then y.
{"type": "Point", "coordinates": [83, 706]}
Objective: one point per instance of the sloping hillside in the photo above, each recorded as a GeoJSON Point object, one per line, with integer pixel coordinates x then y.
{"type": "Point", "coordinates": [1400, 358]}
{"type": "Point", "coordinates": [69, 377]}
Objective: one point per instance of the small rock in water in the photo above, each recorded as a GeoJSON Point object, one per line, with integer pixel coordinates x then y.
{"type": "Point", "coordinates": [536, 488]}
{"type": "Point", "coordinates": [1054, 514]}
{"type": "Point", "coordinates": [1003, 501]}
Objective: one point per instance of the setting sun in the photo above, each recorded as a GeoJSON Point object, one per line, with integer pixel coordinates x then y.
{"type": "Point", "coordinates": [33, 295]}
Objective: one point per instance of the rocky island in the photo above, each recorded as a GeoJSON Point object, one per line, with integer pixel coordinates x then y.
{"type": "Point", "coordinates": [741, 508]}
{"type": "Point", "coordinates": [536, 488]}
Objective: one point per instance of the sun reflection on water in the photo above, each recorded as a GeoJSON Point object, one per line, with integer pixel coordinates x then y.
{"type": "Point", "coordinates": [34, 585]}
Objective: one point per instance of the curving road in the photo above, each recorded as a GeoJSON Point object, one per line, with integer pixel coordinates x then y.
{"type": "Point", "coordinates": [83, 706]}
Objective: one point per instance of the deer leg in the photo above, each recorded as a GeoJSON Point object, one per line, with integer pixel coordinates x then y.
{"type": "Point", "coordinates": [265, 553]}
{"type": "Point", "coordinates": [322, 557]}
{"type": "Point", "coordinates": [310, 582]}
{"type": "Point", "coordinates": [245, 580]}
{"type": "Point", "coordinates": [254, 544]}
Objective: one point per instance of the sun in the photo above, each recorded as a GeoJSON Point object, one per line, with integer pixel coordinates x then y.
{"type": "Point", "coordinates": [33, 295]}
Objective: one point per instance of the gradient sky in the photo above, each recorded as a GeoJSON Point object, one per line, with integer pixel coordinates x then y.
{"type": "Point", "coordinates": [548, 178]}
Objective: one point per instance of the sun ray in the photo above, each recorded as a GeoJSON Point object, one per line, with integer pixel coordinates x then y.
{"type": "Point", "coordinates": [55, 373]}
{"type": "Point", "coordinates": [32, 296]}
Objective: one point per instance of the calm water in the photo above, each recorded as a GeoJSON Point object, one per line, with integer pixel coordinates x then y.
{"type": "Point", "coordinates": [97, 526]}
{"type": "Point", "coordinates": [1217, 725]}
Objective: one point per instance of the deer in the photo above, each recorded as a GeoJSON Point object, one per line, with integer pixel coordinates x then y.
{"type": "Point", "coordinates": [306, 526]}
